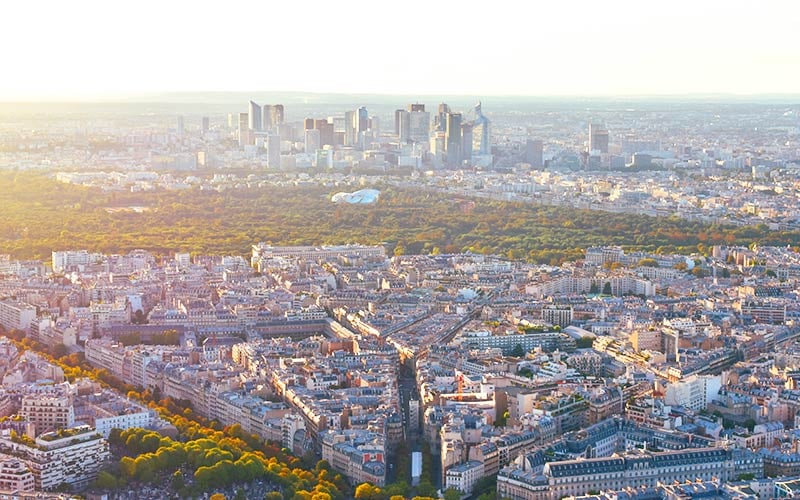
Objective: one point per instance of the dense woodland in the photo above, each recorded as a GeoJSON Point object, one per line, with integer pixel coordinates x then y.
{"type": "Point", "coordinates": [41, 215]}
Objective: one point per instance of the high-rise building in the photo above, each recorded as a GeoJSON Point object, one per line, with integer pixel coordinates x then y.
{"type": "Point", "coordinates": [375, 125]}
{"type": "Point", "coordinates": [362, 119]}
{"type": "Point", "coordinates": [204, 124]}
{"type": "Point", "coordinates": [466, 141]}
{"type": "Point", "coordinates": [533, 153]}
{"type": "Point", "coordinates": [312, 140]}
{"type": "Point", "coordinates": [397, 119]}
{"type": "Point", "coordinates": [453, 138]}
{"type": "Point", "coordinates": [440, 121]}
{"type": "Point", "coordinates": [308, 124]}
{"type": "Point", "coordinates": [419, 123]}
{"type": "Point", "coordinates": [179, 127]}
{"type": "Point", "coordinates": [598, 138]}
{"type": "Point", "coordinates": [404, 125]}
{"type": "Point", "coordinates": [326, 135]}
{"type": "Point", "coordinates": [481, 132]}
{"type": "Point", "coordinates": [277, 114]}
{"type": "Point", "coordinates": [254, 117]}
{"type": "Point", "coordinates": [244, 130]}
{"type": "Point", "coordinates": [350, 132]}
{"type": "Point", "coordinates": [274, 151]}
{"type": "Point", "coordinates": [266, 117]}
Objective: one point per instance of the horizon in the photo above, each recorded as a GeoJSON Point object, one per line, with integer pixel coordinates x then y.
{"type": "Point", "coordinates": [235, 96]}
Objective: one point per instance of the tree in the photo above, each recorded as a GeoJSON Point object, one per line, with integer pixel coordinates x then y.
{"type": "Point", "coordinates": [452, 494]}
{"type": "Point", "coordinates": [105, 481]}
{"type": "Point", "coordinates": [607, 288]}
{"type": "Point", "coordinates": [217, 496]}
{"type": "Point", "coordinates": [426, 488]}
{"type": "Point", "coordinates": [177, 481]}
{"type": "Point", "coordinates": [518, 351]}
{"type": "Point", "coordinates": [485, 485]}
{"type": "Point", "coordinates": [367, 491]}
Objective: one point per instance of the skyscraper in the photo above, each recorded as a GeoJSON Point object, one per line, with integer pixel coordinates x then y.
{"type": "Point", "coordinates": [466, 141]}
{"type": "Point", "coordinates": [453, 138]}
{"type": "Point", "coordinates": [362, 119]}
{"type": "Point", "coordinates": [274, 151]}
{"type": "Point", "coordinates": [277, 114]}
{"type": "Point", "coordinates": [419, 123]}
{"type": "Point", "coordinates": [404, 125]}
{"type": "Point", "coordinates": [266, 117]}
{"type": "Point", "coordinates": [326, 135]}
{"type": "Point", "coordinates": [533, 153]}
{"type": "Point", "coordinates": [244, 130]}
{"type": "Point", "coordinates": [254, 115]}
{"type": "Point", "coordinates": [179, 128]}
{"type": "Point", "coordinates": [440, 121]}
{"type": "Point", "coordinates": [312, 140]}
{"type": "Point", "coordinates": [204, 124]}
{"type": "Point", "coordinates": [397, 114]}
{"type": "Point", "coordinates": [598, 138]}
{"type": "Point", "coordinates": [350, 132]}
{"type": "Point", "coordinates": [481, 132]}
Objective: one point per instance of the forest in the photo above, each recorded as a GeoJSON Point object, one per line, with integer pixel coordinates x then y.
{"type": "Point", "coordinates": [41, 215]}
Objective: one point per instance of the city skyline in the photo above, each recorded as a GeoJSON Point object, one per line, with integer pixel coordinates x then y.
{"type": "Point", "coordinates": [576, 49]}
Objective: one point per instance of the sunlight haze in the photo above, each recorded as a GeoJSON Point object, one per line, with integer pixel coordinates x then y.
{"type": "Point", "coordinates": [96, 50]}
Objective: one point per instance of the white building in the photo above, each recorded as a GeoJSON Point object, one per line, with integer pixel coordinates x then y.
{"type": "Point", "coordinates": [463, 477]}
{"type": "Point", "coordinates": [693, 392]}
{"type": "Point", "coordinates": [15, 475]}
{"type": "Point", "coordinates": [16, 315]}
{"type": "Point", "coordinates": [71, 456]}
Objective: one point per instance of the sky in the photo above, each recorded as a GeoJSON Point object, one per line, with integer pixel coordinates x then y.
{"type": "Point", "coordinates": [96, 50]}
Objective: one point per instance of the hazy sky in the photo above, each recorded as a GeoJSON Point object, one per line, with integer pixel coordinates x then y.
{"type": "Point", "coordinates": [98, 49]}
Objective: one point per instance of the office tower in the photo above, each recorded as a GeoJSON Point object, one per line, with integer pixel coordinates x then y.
{"type": "Point", "coordinates": [274, 151]}
{"type": "Point", "coordinates": [244, 130]}
{"type": "Point", "coordinates": [481, 132]}
{"type": "Point", "coordinates": [533, 153]}
{"type": "Point", "coordinates": [362, 119]}
{"type": "Point", "coordinates": [231, 120]}
{"type": "Point", "coordinates": [404, 125]}
{"type": "Point", "coordinates": [285, 131]}
{"type": "Point", "coordinates": [466, 141]}
{"type": "Point", "coordinates": [254, 114]}
{"type": "Point", "coordinates": [308, 124]}
{"type": "Point", "coordinates": [453, 138]}
{"type": "Point", "coordinates": [326, 135]}
{"type": "Point", "coordinates": [276, 113]}
{"type": "Point", "coordinates": [419, 123]}
{"type": "Point", "coordinates": [397, 114]}
{"type": "Point", "coordinates": [598, 138]}
{"type": "Point", "coordinates": [204, 124]}
{"type": "Point", "coordinates": [440, 121]}
{"type": "Point", "coordinates": [375, 125]}
{"type": "Point", "coordinates": [350, 132]}
{"type": "Point", "coordinates": [266, 117]}
{"type": "Point", "coordinates": [312, 140]}
{"type": "Point", "coordinates": [180, 127]}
